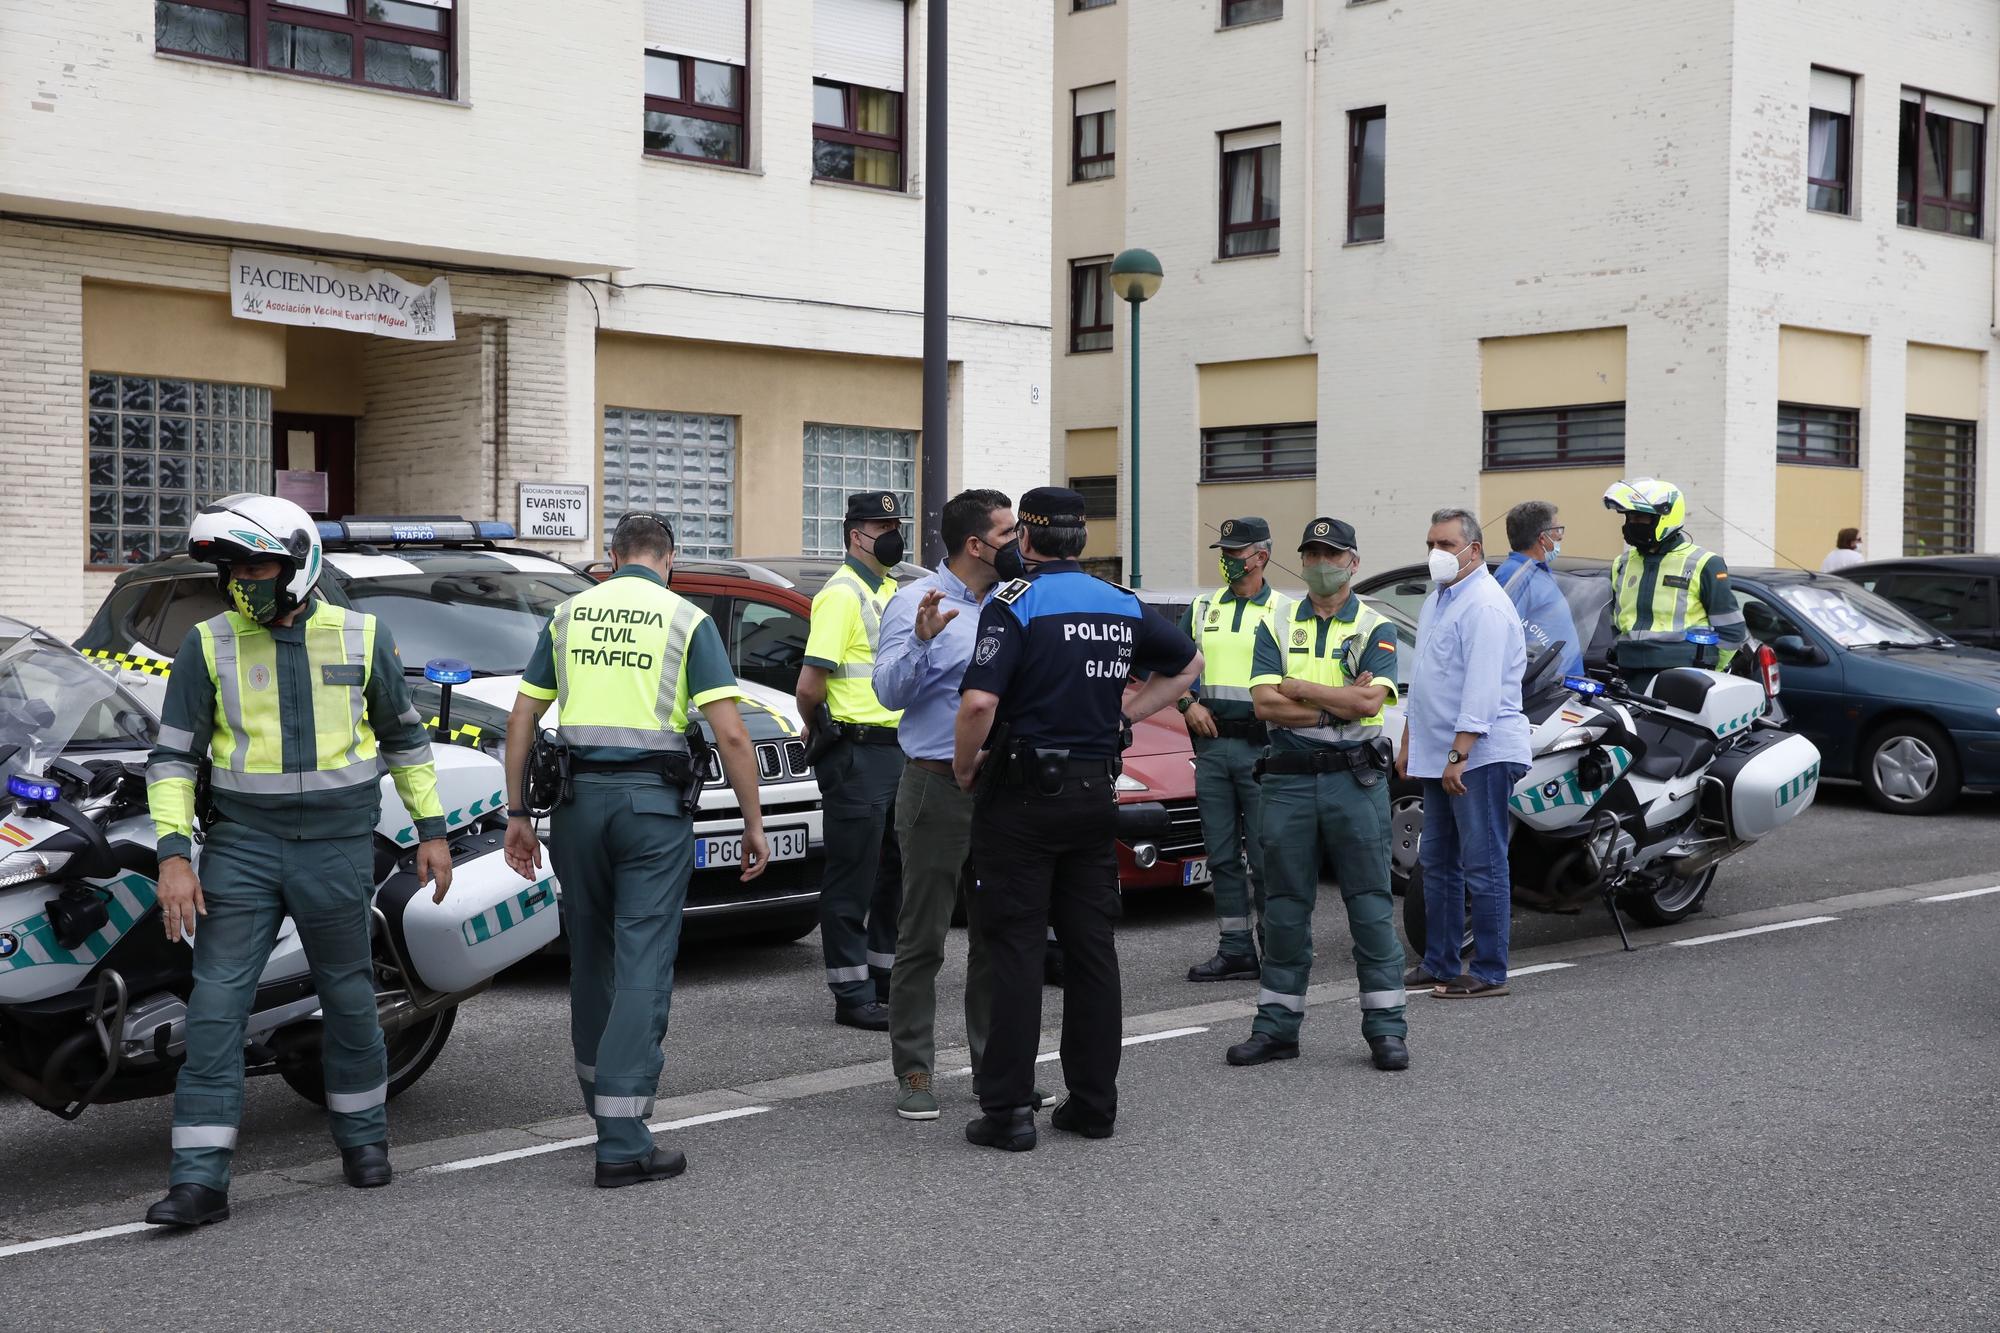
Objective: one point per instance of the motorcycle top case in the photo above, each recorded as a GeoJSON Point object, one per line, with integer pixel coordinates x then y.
{"type": "Point", "coordinates": [491, 919]}
{"type": "Point", "coordinates": [1767, 779]}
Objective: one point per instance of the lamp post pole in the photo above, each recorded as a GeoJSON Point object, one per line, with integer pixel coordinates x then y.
{"type": "Point", "coordinates": [1135, 276]}
{"type": "Point", "coordinates": [1133, 574]}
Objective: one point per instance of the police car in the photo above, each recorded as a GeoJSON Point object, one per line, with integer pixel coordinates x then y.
{"type": "Point", "coordinates": [447, 587]}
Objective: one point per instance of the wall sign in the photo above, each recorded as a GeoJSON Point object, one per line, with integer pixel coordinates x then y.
{"type": "Point", "coordinates": [555, 512]}
{"type": "Point", "coordinates": [281, 289]}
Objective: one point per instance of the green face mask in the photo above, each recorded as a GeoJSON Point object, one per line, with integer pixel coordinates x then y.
{"type": "Point", "coordinates": [1233, 569]}
{"type": "Point", "coordinates": [1327, 580]}
{"type": "Point", "coordinates": [255, 598]}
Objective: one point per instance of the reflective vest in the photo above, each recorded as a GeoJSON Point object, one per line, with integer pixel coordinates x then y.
{"type": "Point", "coordinates": [1328, 651]}
{"type": "Point", "coordinates": [1225, 629]}
{"type": "Point", "coordinates": [247, 746]}
{"type": "Point", "coordinates": [1676, 605]}
{"type": "Point", "coordinates": [850, 688]}
{"type": "Point", "coordinates": [621, 665]}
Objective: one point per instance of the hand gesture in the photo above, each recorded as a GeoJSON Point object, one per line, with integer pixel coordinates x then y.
{"type": "Point", "coordinates": [1200, 722]}
{"type": "Point", "coordinates": [756, 854]}
{"type": "Point", "coordinates": [180, 897]}
{"type": "Point", "coordinates": [434, 866]}
{"type": "Point", "coordinates": [929, 620]}
{"type": "Point", "coordinates": [523, 850]}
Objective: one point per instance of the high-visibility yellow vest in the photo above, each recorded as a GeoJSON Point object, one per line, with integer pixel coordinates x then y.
{"type": "Point", "coordinates": [1328, 651]}
{"type": "Point", "coordinates": [1676, 605]}
{"type": "Point", "coordinates": [850, 687]}
{"type": "Point", "coordinates": [621, 665]}
{"type": "Point", "coordinates": [1228, 650]}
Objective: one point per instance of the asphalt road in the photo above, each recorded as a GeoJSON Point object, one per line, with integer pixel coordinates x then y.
{"type": "Point", "coordinates": [1785, 1130]}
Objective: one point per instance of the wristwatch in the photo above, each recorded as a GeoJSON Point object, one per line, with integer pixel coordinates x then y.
{"type": "Point", "coordinates": [1455, 758]}
{"type": "Point", "coordinates": [1185, 702]}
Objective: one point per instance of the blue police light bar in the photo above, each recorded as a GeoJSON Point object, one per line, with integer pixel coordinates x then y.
{"type": "Point", "coordinates": [1583, 685]}
{"type": "Point", "coordinates": [1703, 636]}
{"type": "Point", "coordinates": [447, 671]}
{"type": "Point", "coordinates": [33, 790]}
{"type": "Point", "coordinates": [417, 529]}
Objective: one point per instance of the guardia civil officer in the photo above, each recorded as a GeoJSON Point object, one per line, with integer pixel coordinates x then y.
{"type": "Point", "coordinates": [859, 767]}
{"type": "Point", "coordinates": [1663, 585]}
{"type": "Point", "coordinates": [297, 704]}
{"type": "Point", "coordinates": [1321, 679]}
{"type": "Point", "coordinates": [1046, 688]}
{"type": "Point", "coordinates": [1228, 740]}
{"type": "Point", "coordinates": [625, 662]}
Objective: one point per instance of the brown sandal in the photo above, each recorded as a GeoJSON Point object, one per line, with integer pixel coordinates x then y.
{"type": "Point", "coordinates": [1465, 986]}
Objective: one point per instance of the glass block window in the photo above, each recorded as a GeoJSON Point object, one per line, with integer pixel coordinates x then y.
{"type": "Point", "coordinates": [840, 460]}
{"type": "Point", "coordinates": [678, 464]}
{"type": "Point", "coordinates": [162, 448]}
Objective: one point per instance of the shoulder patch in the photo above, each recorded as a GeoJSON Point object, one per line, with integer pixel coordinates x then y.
{"type": "Point", "coordinates": [1011, 592]}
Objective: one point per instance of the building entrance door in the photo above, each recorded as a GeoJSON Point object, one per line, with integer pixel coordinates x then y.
{"type": "Point", "coordinates": [302, 445]}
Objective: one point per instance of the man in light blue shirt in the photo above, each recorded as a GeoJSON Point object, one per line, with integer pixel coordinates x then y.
{"type": "Point", "coordinates": [1536, 537]}
{"type": "Point", "coordinates": [1466, 739]}
{"type": "Point", "coordinates": [924, 647]}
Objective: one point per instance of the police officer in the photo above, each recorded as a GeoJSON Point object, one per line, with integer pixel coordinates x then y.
{"type": "Point", "coordinates": [861, 888]}
{"type": "Point", "coordinates": [625, 662]}
{"type": "Point", "coordinates": [1663, 585]}
{"type": "Point", "coordinates": [1046, 688]}
{"type": "Point", "coordinates": [1228, 739]}
{"type": "Point", "coordinates": [1321, 679]}
{"type": "Point", "coordinates": [297, 705]}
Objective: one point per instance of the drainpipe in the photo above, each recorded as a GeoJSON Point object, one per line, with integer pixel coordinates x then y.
{"type": "Point", "coordinates": [1311, 153]}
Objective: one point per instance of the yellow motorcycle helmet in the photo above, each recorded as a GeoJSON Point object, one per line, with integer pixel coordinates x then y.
{"type": "Point", "coordinates": [1660, 500]}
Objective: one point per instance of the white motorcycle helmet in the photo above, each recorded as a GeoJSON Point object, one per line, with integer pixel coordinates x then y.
{"type": "Point", "coordinates": [241, 529]}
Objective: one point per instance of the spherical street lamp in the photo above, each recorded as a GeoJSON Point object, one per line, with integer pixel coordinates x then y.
{"type": "Point", "coordinates": [1135, 276]}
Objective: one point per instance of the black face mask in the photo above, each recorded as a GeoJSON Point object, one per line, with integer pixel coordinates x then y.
{"type": "Point", "coordinates": [888, 549]}
{"type": "Point", "coordinates": [1008, 562]}
{"type": "Point", "coordinates": [1640, 530]}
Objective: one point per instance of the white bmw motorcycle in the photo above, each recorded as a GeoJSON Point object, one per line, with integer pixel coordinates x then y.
{"type": "Point", "coordinates": [93, 996]}
{"type": "Point", "coordinates": [1634, 798]}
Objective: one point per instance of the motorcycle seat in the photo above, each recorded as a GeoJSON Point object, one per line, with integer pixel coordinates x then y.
{"type": "Point", "coordinates": [1672, 751]}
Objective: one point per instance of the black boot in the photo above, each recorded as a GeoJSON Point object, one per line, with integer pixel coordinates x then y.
{"type": "Point", "coordinates": [872, 1016]}
{"type": "Point", "coordinates": [366, 1167]}
{"type": "Point", "coordinates": [188, 1205]}
{"type": "Point", "coordinates": [1012, 1130]}
{"type": "Point", "coordinates": [1226, 967]}
{"type": "Point", "coordinates": [655, 1165]}
{"type": "Point", "coordinates": [1075, 1120]}
{"type": "Point", "coordinates": [1389, 1053]}
{"type": "Point", "coordinates": [1262, 1047]}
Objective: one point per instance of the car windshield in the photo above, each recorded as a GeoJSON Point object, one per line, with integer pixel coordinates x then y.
{"type": "Point", "coordinates": [488, 618]}
{"type": "Point", "coordinates": [52, 700]}
{"type": "Point", "coordinates": [1854, 617]}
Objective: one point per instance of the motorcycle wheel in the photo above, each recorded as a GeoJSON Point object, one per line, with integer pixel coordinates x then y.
{"type": "Point", "coordinates": [412, 1051]}
{"type": "Point", "coordinates": [1675, 899]}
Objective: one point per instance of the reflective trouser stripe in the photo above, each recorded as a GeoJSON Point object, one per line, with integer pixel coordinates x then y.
{"type": "Point", "coordinates": [881, 960]}
{"type": "Point", "coordinates": [204, 1136]}
{"type": "Point", "coordinates": [1383, 999]}
{"type": "Point", "coordinates": [839, 974]}
{"type": "Point", "coordinates": [588, 1073]}
{"type": "Point", "coordinates": [1233, 922]}
{"type": "Point", "coordinates": [1295, 1003]}
{"type": "Point", "coordinates": [294, 784]}
{"type": "Point", "coordinates": [348, 1103]}
{"type": "Point", "coordinates": [615, 1108]}
{"type": "Point", "coordinates": [176, 739]}
{"type": "Point", "coordinates": [632, 738]}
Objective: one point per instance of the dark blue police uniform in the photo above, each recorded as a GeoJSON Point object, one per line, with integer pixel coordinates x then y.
{"type": "Point", "coordinates": [1058, 650]}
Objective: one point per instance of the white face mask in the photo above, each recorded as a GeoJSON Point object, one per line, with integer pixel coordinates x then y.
{"type": "Point", "coordinates": [1444, 567]}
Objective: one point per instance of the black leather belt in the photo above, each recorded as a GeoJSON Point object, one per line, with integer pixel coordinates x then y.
{"type": "Point", "coordinates": [1243, 729]}
{"type": "Point", "coordinates": [862, 733]}
{"type": "Point", "coordinates": [676, 769]}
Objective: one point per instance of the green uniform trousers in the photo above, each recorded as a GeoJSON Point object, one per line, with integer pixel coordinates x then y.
{"type": "Point", "coordinates": [250, 881]}
{"type": "Point", "coordinates": [1232, 828]}
{"type": "Point", "coordinates": [1314, 820]}
{"type": "Point", "coordinates": [861, 885]}
{"type": "Point", "coordinates": [623, 850]}
{"type": "Point", "coordinates": [934, 827]}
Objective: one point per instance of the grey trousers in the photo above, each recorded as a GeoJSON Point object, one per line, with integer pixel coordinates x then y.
{"type": "Point", "coordinates": [934, 828]}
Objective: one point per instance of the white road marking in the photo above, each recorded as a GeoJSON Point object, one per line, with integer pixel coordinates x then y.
{"type": "Point", "coordinates": [81, 1237]}
{"type": "Point", "coordinates": [1963, 893]}
{"type": "Point", "coordinates": [1756, 930]}
{"type": "Point", "coordinates": [1139, 1040]}
{"type": "Point", "coordinates": [492, 1159]}
{"type": "Point", "coordinates": [1513, 972]}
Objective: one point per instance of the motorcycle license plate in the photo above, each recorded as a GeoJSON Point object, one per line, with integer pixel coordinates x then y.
{"type": "Point", "coordinates": [787, 844]}
{"type": "Point", "coordinates": [1195, 871]}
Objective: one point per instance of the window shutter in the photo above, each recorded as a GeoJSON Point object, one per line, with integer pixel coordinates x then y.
{"type": "Point", "coordinates": [1262, 137]}
{"type": "Point", "coordinates": [707, 29]}
{"type": "Point", "coordinates": [1090, 101]}
{"type": "Point", "coordinates": [860, 41]}
{"type": "Point", "coordinates": [1952, 107]}
{"type": "Point", "coordinates": [1832, 92]}
{"type": "Point", "coordinates": [434, 4]}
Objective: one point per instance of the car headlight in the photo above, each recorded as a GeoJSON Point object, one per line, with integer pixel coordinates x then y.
{"type": "Point", "coordinates": [1126, 782]}
{"type": "Point", "coordinates": [24, 866]}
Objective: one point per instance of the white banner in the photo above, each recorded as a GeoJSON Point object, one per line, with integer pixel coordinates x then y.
{"type": "Point", "coordinates": [280, 289]}
{"type": "Point", "coordinates": [554, 511]}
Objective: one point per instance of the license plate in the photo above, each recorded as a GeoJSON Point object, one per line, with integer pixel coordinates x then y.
{"type": "Point", "coordinates": [1195, 871]}
{"type": "Point", "coordinates": [787, 844]}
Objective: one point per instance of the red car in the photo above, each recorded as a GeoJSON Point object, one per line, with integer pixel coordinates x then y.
{"type": "Point", "coordinates": [1159, 823]}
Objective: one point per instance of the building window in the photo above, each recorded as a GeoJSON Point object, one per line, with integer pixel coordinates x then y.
{"type": "Point", "coordinates": [400, 44]}
{"type": "Point", "coordinates": [1090, 305]}
{"type": "Point", "coordinates": [1260, 453]}
{"type": "Point", "coordinates": [1094, 133]}
{"type": "Point", "coordinates": [1100, 495]}
{"type": "Point", "coordinates": [840, 460]}
{"type": "Point", "coordinates": [1939, 475]}
{"type": "Point", "coordinates": [858, 72]}
{"type": "Point", "coordinates": [694, 109]}
{"type": "Point", "coordinates": [1250, 193]}
{"type": "Point", "coordinates": [678, 464]}
{"type": "Point", "coordinates": [162, 448]}
{"type": "Point", "coordinates": [1236, 13]}
{"type": "Point", "coordinates": [1824, 436]}
{"type": "Point", "coordinates": [1556, 437]}
{"type": "Point", "coordinates": [1078, 6]}
{"type": "Point", "coordinates": [1830, 143]}
{"type": "Point", "coordinates": [1367, 146]}
{"type": "Point", "coordinates": [1941, 168]}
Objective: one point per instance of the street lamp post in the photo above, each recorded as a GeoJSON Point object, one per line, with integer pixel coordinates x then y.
{"type": "Point", "coordinates": [1135, 276]}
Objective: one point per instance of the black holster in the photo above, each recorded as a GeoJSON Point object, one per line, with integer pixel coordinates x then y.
{"type": "Point", "coordinates": [550, 779]}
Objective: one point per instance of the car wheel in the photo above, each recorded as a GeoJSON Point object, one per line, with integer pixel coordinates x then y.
{"type": "Point", "coordinates": [1909, 767]}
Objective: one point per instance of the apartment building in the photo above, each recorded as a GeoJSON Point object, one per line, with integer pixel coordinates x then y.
{"type": "Point", "coordinates": [1477, 251]}
{"type": "Point", "coordinates": [412, 256]}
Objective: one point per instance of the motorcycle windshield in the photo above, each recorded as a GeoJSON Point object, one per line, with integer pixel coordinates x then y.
{"type": "Point", "coordinates": [52, 701]}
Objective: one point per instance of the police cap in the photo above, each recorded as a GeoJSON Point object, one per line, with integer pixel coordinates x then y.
{"type": "Point", "coordinates": [869, 506]}
{"type": "Point", "coordinates": [1236, 532]}
{"type": "Point", "coordinates": [1331, 532]}
{"type": "Point", "coordinates": [1052, 507]}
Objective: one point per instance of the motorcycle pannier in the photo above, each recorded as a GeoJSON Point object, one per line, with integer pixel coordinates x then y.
{"type": "Point", "coordinates": [1766, 779]}
{"type": "Point", "coordinates": [491, 919]}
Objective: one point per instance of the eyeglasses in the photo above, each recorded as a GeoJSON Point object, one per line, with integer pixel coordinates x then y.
{"type": "Point", "coordinates": [1557, 532]}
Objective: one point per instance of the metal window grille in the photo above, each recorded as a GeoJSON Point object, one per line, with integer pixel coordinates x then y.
{"type": "Point", "coordinates": [159, 450]}
{"type": "Point", "coordinates": [1556, 437]}
{"type": "Point", "coordinates": [679, 464]}
{"type": "Point", "coordinates": [1100, 495]}
{"type": "Point", "coordinates": [1940, 472]}
{"type": "Point", "coordinates": [1826, 436]}
{"type": "Point", "coordinates": [1256, 453]}
{"type": "Point", "coordinates": [840, 460]}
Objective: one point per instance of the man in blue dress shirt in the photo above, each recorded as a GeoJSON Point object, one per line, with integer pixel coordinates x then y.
{"type": "Point", "coordinates": [1535, 534]}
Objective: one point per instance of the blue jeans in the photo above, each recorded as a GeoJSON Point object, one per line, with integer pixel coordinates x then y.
{"type": "Point", "coordinates": [1465, 856]}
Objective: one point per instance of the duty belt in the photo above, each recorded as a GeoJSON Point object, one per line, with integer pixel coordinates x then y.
{"type": "Point", "coordinates": [1243, 729]}
{"type": "Point", "coordinates": [1367, 761]}
{"type": "Point", "coordinates": [677, 769]}
{"type": "Point", "coordinates": [1050, 772]}
{"type": "Point", "coordinates": [861, 733]}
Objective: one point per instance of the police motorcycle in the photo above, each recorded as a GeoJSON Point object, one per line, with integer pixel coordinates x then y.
{"type": "Point", "coordinates": [1634, 796]}
{"type": "Point", "coordinates": [93, 996]}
